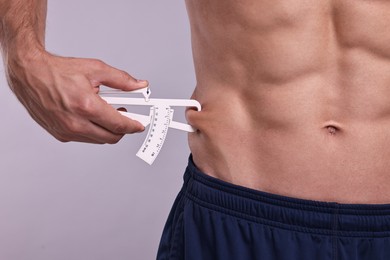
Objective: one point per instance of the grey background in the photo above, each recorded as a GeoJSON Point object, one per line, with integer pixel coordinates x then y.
{"type": "Point", "coordinates": [80, 201]}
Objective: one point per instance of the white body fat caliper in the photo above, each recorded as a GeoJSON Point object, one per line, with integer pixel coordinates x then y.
{"type": "Point", "coordinates": [159, 119]}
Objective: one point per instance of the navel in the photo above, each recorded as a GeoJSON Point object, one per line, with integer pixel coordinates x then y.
{"type": "Point", "coordinates": [333, 130]}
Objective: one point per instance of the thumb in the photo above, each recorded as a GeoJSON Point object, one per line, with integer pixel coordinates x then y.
{"type": "Point", "coordinates": [118, 79]}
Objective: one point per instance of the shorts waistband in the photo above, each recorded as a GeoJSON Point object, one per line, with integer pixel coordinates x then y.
{"type": "Point", "coordinates": [363, 220]}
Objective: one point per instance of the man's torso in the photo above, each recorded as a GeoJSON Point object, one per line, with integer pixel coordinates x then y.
{"type": "Point", "coordinates": [295, 96]}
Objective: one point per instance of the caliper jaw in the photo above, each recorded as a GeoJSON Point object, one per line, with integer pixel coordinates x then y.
{"type": "Point", "coordinates": [146, 92]}
{"type": "Point", "coordinates": [159, 119]}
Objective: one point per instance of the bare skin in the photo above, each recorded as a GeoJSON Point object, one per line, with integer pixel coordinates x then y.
{"type": "Point", "coordinates": [60, 93]}
{"type": "Point", "coordinates": [295, 96]}
{"type": "Point", "coordinates": [295, 93]}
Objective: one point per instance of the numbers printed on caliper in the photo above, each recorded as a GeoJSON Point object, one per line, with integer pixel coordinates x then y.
{"type": "Point", "coordinates": [159, 119]}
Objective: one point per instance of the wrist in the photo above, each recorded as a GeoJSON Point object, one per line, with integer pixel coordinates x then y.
{"type": "Point", "coordinates": [22, 66]}
{"type": "Point", "coordinates": [23, 55]}
{"type": "Point", "coordinates": [22, 49]}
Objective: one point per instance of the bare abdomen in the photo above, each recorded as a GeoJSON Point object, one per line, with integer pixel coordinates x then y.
{"type": "Point", "coordinates": [309, 140]}
{"type": "Point", "coordinates": [299, 106]}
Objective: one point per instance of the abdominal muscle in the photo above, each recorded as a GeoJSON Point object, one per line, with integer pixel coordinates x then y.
{"type": "Point", "coordinates": [293, 106]}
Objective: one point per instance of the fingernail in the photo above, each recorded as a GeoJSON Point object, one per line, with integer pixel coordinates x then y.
{"type": "Point", "coordinates": [142, 82]}
{"type": "Point", "coordinates": [141, 130]}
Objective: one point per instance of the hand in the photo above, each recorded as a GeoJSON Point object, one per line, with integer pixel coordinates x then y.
{"type": "Point", "coordinates": [61, 94]}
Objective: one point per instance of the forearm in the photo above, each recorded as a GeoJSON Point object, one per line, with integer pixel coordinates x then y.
{"type": "Point", "coordinates": [60, 93]}
{"type": "Point", "coordinates": [22, 29]}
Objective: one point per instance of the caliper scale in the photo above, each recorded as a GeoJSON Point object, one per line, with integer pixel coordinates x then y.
{"type": "Point", "coordinates": [160, 118]}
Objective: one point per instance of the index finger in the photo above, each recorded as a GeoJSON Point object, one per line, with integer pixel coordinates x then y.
{"type": "Point", "coordinates": [115, 78]}
{"type": "Point", "coordinates": [109, 118]}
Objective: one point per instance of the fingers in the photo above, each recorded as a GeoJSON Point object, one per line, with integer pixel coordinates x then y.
{"type": "Point", "coordinates": [101, 135]}
{"type": "Point", "coordinates": [68, 127]}
{"type": "Point", "coordinates": [98, 121]}
{"type": "Point", "coordinates": [92, 133]}
{"type": "Point", "coordinates": [81, 130]}
{"type": "Point", "coordinates": [110, 119]}
{"type": "Point", "coordinates": [112, 77]}
{"type": "Point", "coordinates": [69, 107]}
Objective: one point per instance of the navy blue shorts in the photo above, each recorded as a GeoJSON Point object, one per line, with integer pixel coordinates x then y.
{"type": "Point", "coordinates": [212, 220]}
